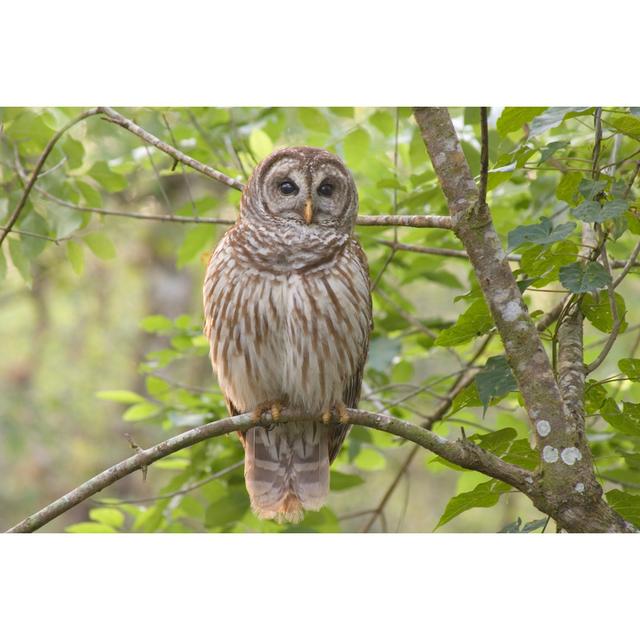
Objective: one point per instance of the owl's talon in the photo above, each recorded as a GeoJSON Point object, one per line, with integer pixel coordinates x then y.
{"type": "Point", "coordinates": [273, 409]}
{"type": "Point", "coordinates": [343, 413]}
{"type": "Point", "coordinates": [341, 409]}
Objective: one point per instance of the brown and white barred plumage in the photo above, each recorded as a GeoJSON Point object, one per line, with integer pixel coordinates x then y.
{"type": "Point", "coordinates": [288, 317]}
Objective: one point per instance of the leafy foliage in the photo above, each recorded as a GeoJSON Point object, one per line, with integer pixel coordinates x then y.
{"type": "Point", "coordinates": [128, 354]}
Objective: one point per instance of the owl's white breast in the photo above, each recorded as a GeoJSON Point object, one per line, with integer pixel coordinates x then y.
{"type": "Point", "coordinates": [299, 337]}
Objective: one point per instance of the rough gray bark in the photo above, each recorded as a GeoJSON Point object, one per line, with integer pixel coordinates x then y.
{"type": "Point", "coordinates": [565, 485]}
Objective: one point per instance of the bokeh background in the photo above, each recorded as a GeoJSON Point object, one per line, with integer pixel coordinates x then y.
{"type": "Point", "coordinates": [100, 314]}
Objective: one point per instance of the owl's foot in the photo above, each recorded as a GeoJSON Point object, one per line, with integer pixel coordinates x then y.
{"type": "Point", "coordinates": [341, 409]}
{"type": "Point", "coordinates": [273, 407]}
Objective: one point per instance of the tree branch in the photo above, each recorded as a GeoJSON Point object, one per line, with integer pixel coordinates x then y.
{"type": "Point", "coordinates": [463, 453]}
{"type": "Point", "coordinates": [484, 156]}
{"type": "Point", "coordinates": [117, 118]}
{"type": "Point", "coordinates": [563, 457]}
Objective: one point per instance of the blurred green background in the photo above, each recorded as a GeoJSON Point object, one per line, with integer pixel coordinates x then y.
{"type": "Point", "coordinates": [101, 329]}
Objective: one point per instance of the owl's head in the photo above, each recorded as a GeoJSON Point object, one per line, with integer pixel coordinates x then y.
{"type": "Point", "coordinates": [302, 185]}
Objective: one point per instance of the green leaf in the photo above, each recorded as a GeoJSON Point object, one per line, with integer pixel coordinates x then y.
{"type": "Point", "coordinates": [474, 322]}
{"type": "Point", "coordinates": [356, 147]}
{"type": "Point", "coordinates": [626, 504]}
{"type": "Point", "coordinates": [369, 459]}
{"type": "Point", "coordinates": [33, 223]}
{"type": "Point", "coordinates": [227, 510]}
{"type": "Point", "coordinates": [551, 149]}
{"type": "Point", "coordinates": [74, 152]}
{"type": "Point", "coordinates": [313, 119]}
{"type": "Point", "coordinates": [567, 188]}
{"type": "Point", "coordinates": [108, 516]}
{"type": "Point", "coordinates": [468, 397]}
{"type": "Point", "coordinates": [196, 239]}
{"type": "Point", "coordinates": [590, 211]}
{"type": "Point", "coordinates": [615, 208]}
{"type": "Point", "coordinates": [545, 260]}
{"type": "Point", "coordinates": [471, 115]}
{"type": "Point", "coordinates": [594, 396]}
{"type": "Point", "coordinates": [581, 278]}
{"type": "Point", "coordinates": [384, 122]}
{"type": "Point", "coordinates": [156, 386]}
{"type": "Point", "coordinates": [111, 181]}
{"type": "Point", "coordinates": [20, 261]}
{"type": "Point", "coordinates": [91, 197]}
{"type": "Point", "coordinates": [30, 128]}
{"type": "Point", "coordinates": [495, 380]}
{"type": "Point", "coordinates": [514, 118]}
{"type": "Point", "coordinates": [541, 233]}
{"type": "Point", "coordinates": [342, 112]}
{"type": "Point", "coordinates": [534, 525]}
{"type": "Point", "coordinates": [551, 118]}
{"type": "Point", "coordinates": [485, 495]}
{"type": "Point", "coordinates": [141, 411]}
{"type": "Point", "coordinates": [629, 125]}
{"type": "Point", "coordinates": [626, 421]}
{"type": "Point", "coordinates": [520, 453]}
{"type": "Point", "coordinates": [127, 397]}
{"type": "Point", "coordinates": [260, 143]}
{"type": "Point", "coordinates": [90, 527]}
{"type": "Point", "coordinates": [630, 367]}
{"type": "Point", "coordinates": [156, 324]}
{"type": "Point", "coordinates": [597, 309]}
{"type": "Point", "coordinates": [497, 442]}
{"type": "Point", "coordinates": [512, 527]}
{"type": "Point", "coordinates": [589, 189]}
{"type": "Point", "coordinates": [75, 256]}
{"type": "Point", "coordinates": [100, 245]}
{"type": "Point", "coordinates": [341, 481]}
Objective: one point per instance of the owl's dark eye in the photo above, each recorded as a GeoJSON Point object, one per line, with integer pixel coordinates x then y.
{"type": "Point", "coordinates": [325, 189]}
{"type": "Point", "coordinates": [288, 187]}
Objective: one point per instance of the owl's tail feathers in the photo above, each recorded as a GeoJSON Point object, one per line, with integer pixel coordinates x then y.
{"type": "Point", "coordinates": [286, 470]}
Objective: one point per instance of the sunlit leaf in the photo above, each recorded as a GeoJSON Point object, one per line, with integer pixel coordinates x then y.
{"type": "Point", "coordinates": [514, 118]}
{"type": "Point", "coordinates": [100, 245]}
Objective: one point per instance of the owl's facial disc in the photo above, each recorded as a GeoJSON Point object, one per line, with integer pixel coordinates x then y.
{"type": "Point", "coordinates": [307, 186]}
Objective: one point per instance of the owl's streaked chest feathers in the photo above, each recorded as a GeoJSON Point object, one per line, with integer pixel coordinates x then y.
{"type": "Point", "coordinates": [288, 314]}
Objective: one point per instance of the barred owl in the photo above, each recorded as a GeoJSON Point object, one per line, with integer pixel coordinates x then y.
{"type": "Point", "coordinates": [288, 316]}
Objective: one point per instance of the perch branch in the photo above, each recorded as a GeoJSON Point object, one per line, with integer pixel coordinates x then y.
{"type": "Point", "coordinates": [463, 453]}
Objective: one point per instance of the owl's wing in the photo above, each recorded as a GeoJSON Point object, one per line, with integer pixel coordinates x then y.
{"type": "Point", "coordinates": [350, 396]}
{"type": "Point", "coordinates": [351, 391]}
{"type": "Point", "coordinates": [234, 412]}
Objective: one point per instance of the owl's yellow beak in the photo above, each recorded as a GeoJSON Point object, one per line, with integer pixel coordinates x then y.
{"type": "Point", "coordinates": [308, 212]}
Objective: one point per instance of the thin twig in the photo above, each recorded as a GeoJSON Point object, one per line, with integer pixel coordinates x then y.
{"type": "Point", "coordinates": [484, 156]}
{"type": "Point", "coordinates": [617, 321]}
{"type": "Point", "coordinates": [38, 168]}
{"type": "Point", "coordinates": [392, 487]}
